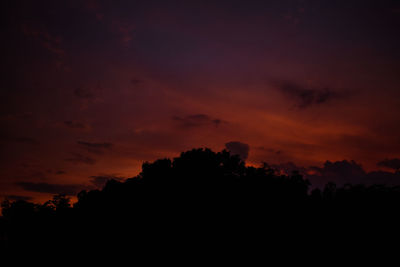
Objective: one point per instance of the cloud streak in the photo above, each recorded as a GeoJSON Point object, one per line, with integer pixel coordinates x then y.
{"type": "Point", "coordinates": [390, 163]}
{"type": "Point", "coordinates": [67, 189]}
{"type": "Point", "coordinates": [340, 172]}
{"type": "Point", "coordinates": [18, 198]}
{"type": "Point", "coordinates": [79, 158]}
{"type": "Point", "coordinates": [95, 148]}
{"type": "Point", "coordinates": [197, 120]}
{"type": "Point", "coordinates": [306, 96]}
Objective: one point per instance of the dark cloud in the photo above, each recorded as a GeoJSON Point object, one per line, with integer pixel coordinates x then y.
{"type": "Point", "coordinates": [390, 163]}
{"type": "Point", "coordinates": [96, 148]}
{"type": "Point", "coordinates": [288, 168]}
{"type": "Point", "coordinates": [67, 189]}
{"type": "Point", "coordinates": [340, 172]}
{"type": "Point", "coordinates": [238, 148]}
{"type": "Point", "coordinates": [88, 94]}
{"type": "Point", "coordinates": [79, 158]}
{"type": "Point", "coordinates": [17, 198]}
{"type": "Point", "coordinates": [77, 125]}
{"type": "Point", "coordinates": [304, 96]}
{"type": "Point", "coordinates": [197, 120]}
{"type": "Point", "coordinates": [99, 181]}
{"type": "Point", "coordinates": [96, 182]}
{"type": "Point", "coordinates": [270, 150]}
{"type": "Point", "coordinates": [217, 122]}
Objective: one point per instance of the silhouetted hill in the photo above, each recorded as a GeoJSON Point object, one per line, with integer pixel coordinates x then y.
{"type": "Point", "coordinates": [200, 196]}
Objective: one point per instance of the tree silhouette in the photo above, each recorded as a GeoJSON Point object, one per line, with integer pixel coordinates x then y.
{"type": "Point", "coordinates": [199, 196]}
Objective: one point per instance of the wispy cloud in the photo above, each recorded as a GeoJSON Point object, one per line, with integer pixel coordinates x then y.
{"type": "Point", "coordinates": [18, 197]}
{"type": "Point", "coordinates": [67, 189]}
{"type": "Point", "coordinates": [340, 172]}
{"type": "Point", "coordinates": [197, 120]}
{"type": "Point", "coordinates": [96, 148]}
{"type": "Point", "coordinates": [79, 158]}
{"type": "Point", "coordinates": [390, 163]}
{"type": "Point", "coordinates": [306, 96]}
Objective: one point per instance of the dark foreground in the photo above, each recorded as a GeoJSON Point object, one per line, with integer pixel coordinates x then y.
{"type": "Point", "coordinates": [200, 203]}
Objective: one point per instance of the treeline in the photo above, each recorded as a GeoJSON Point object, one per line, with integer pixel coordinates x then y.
{"type": "Point", "coordinates": [199, 195]}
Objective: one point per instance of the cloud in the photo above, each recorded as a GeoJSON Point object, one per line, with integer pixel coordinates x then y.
{"type": "Point", "coordinates": [17, 198]}
{"type": "Point", "coordinates": [100, 181]}
{"type": "Point", "coordinates": [304, 96]}
{"type": "Point", "coordinates": [76, 125]}
{"type": "Point", "coordinates": [88, 94]}
{"type": "Point", "coordinates": [238, 148]}
{"type": "Point", "coordinates": [67, 189]}
{"type": "Point", "coordinates": [79, 158]}
{"type": "Point", "coordinates": [96, 182]}
{"type": "Point", "coordinates": [270, 150]}
{"type": "Point", "coordinates": [340, 172]}
{"type": "Point", "coordinates": [96, 148]}
{"type": "Point", "coordinates": [288, 168]}
{"type": "Point", "coordinates": [390, 163]}
{"type": "Point", "coordinates": [197, 120]}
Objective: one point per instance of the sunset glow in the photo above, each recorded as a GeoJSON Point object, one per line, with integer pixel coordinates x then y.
{"type": "Point", "coordinates": [92, 89]}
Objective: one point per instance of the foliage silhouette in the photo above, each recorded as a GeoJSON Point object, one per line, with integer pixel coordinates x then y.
{"type": "Point", "coordinates": [200, 196]}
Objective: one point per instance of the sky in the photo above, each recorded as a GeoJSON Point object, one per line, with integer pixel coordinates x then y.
{"type": "Point", "coordinates": [92, 89]}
